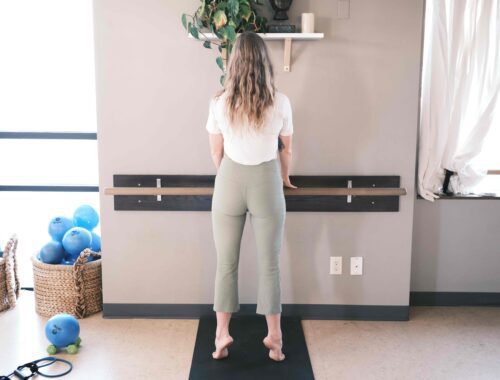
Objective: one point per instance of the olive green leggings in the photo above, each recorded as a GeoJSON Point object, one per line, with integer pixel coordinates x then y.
{"type": "Point", "coordinates": [257, 189]}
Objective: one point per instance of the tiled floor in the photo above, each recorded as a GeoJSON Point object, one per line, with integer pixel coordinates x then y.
{"type": "Point", "coordinates": [437, 343]}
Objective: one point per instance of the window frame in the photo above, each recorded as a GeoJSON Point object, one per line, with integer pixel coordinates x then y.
{"type": "Point", "coordinates": [49, 136]}
{"type": "Point", "coordinates": [468, 196]}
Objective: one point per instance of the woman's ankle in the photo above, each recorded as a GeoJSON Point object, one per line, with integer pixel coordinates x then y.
{"type": "Point", "coordinates": [222, 334]}
{"type": "Point", "coordinates": [274, 336]}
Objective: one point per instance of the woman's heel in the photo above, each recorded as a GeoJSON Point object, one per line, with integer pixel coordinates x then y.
{"type": "Point", "coordinates": [273, 347]}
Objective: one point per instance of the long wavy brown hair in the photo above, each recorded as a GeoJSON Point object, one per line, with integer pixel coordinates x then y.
{"type": "Point", "coordinates": [249, 82]}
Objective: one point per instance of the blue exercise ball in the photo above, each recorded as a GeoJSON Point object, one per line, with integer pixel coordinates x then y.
{"type": "Point", "coordinates": [58, 226]}
{"type": "Point", "coordinates": [92, 258]}
{"type": "Point", "coordinates": [62, 330]}
{"type": "Point", "coordinates": [68, 259]}
{"type": "Point", "coordinates": [75, 240]}
{"type": "Point", "coordinates": [52, 253]}
{"type": "Point", "coordinates": [96, 242]}
{"type": "Point", "coordinates": [85, 216]}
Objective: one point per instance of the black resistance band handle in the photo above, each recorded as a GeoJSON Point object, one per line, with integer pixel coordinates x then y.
{"type": "Point", "coordinates": [34, 368]}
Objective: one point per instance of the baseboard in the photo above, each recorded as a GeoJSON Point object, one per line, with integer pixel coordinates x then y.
{"type": "Point", "coordinates": [309, 311]}
{"type": "Point", "coordinates": [454, 299]}
{"type": "Point", "coordinates": [304, 311]}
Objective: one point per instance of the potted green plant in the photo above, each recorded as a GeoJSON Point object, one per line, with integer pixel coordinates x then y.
{"type": "Point", "coordinates": [223, 18]}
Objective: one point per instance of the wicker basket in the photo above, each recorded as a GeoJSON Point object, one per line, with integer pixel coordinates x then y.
{"type": "Point", "coordinates": [9, 282]}
{"type": "Point", "coordinates": [73, 289]}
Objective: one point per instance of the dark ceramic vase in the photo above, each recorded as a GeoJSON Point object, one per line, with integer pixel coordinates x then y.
{"type": "Point", "coordinates": [280, 8]}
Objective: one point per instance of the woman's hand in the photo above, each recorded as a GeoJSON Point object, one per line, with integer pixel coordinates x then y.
{"type": "Point", "coordinates": [287, 183]}
{"type": "Point", "coordinates": [285, 158]}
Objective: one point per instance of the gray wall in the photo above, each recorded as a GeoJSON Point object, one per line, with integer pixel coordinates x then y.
{"type": "Point", "coordinates": [355, 102]}
{"type": "Point", "coordinates": [456, 246]}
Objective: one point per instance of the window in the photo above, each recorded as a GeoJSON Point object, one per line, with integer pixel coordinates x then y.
{"type": "Point", "coordinates": [459, 125]}
{"type": "Point", "coordinates": [48, 139]}
{"type": "Point", "coordinates": [47, 66]}
{"type": "Point", "coordinates": [490, 157]}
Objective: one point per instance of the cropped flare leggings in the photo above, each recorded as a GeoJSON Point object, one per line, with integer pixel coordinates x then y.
{"type": "Point", "coordinates": [257, 189]}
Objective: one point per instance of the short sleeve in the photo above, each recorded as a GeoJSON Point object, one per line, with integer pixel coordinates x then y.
{"type": "Point", "coordinates": [211, 125]}
{"type": "Point", "coordinates": [287, 128]}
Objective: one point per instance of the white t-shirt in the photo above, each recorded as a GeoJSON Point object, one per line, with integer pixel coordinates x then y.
{"type": "Point", "coordinates": [246, 145]}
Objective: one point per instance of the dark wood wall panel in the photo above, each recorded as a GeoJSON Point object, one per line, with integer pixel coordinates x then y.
{"type": "Point", "coordinates": [317, 203]}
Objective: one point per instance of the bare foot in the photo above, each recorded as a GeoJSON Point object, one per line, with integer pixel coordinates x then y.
{"type": "Point", "coordinates": [274, 346]}
{"type": "Point", "coordinates": [221, 345]}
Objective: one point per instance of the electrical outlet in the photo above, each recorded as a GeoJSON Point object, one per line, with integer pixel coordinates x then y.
{"type": "Point", "coordinates": [356, 266]}
{"type": "Point", "coordinates": [336, 265]}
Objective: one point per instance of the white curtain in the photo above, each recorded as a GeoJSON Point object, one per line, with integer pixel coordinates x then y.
{"type": "Point", "coordinates": [460, 91]}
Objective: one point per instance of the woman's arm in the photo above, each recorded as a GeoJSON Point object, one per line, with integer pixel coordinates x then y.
{"type": "Point", "coordinates": [216, 147]}
{"type": "Point", "coordinates": [285, 159]}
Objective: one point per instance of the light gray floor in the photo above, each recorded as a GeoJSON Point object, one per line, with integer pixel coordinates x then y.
{"type": "Point", "coordinates": [437, 343]}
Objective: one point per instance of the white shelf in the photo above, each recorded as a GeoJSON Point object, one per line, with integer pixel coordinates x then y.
{"type": "Point", "coordinates": [272, 36]}
{"type": "Point", "coordinates": [286, 37]}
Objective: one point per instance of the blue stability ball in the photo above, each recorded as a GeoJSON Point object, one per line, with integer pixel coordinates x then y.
{"type": "Point", "coordinates": [52, 253]}
{"type": "Point", "coordinates": [85, 216]}
{"type": "Point", "coordinates": [96, 242]}
{"type": "Point", "coordinates": [68, 259]}
{"type": "Point", "coordinates": [75, 240]}
{"type": "Point", "coordinates": [62, 330]}
{"type": "Point", "coordinates": [58, 227]}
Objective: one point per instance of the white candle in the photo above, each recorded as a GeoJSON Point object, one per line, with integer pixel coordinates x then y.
{"type": "Point", "coordinates": [307, 22]}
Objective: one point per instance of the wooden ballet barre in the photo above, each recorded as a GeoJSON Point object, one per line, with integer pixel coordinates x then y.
{"type": "Point", "coordinates": [358, 191]}
{"type": "Point", "coordinates": [319, 193]}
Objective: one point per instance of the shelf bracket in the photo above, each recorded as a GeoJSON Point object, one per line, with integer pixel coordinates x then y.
{"type": "Point", "coordinates": [287, 54]}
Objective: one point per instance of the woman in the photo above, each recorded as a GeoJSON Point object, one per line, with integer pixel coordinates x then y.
{"type": "Point", "coordinates": [245, 121]}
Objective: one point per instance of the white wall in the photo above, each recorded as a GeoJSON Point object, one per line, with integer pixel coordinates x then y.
{"type": "Point", "coordinates": [456, 246]}
{"type": "Point", "coordinates": [355, 103]}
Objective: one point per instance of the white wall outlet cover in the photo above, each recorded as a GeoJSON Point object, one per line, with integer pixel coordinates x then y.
{"type": "Point", "coordinates": [356, 266]}
{"type": "Point", "coordinates": [336, 265]}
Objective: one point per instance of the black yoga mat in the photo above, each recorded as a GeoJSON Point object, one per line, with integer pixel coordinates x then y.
{"type": "Point", "coordinates": [248, 358]}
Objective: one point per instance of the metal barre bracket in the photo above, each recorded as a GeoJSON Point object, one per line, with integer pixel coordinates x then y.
{"type": "Point", "coordinates": [158, 185]}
